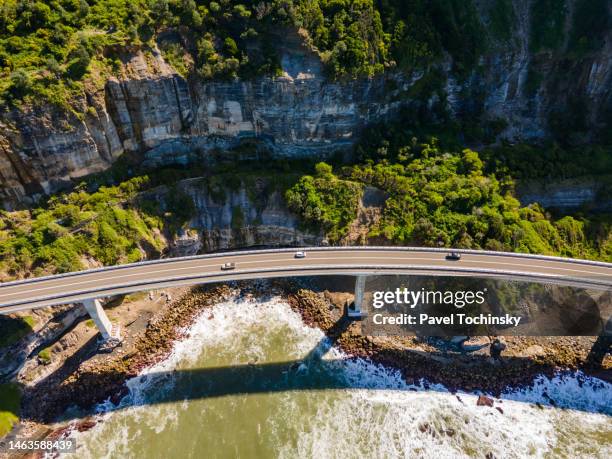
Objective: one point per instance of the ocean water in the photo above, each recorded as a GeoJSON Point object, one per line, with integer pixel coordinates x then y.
{"type": "Point", "coordinates": [250, 380]}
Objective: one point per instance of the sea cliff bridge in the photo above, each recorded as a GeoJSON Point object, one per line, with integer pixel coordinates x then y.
{"type": "Point", "coordinates": [88, 286]}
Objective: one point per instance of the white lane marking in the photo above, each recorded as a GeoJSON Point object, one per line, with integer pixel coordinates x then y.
{"type": "Point", "coordinates": [317, 270]}
{"type": "Point", "coordinates": [120, 276]}
{"type": "Point", "coordinates": [103, 276]}
{"type": "Point", "coordinates": [218, 265]}
{"type": "Point", "coordinates": [314, 250]}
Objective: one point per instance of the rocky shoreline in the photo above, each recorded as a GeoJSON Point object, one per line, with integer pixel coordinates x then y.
{"type": "Point", "coordinates": [101, 379]}
{"type": "Point", "coordinates": [421, 360]}
{"type": "Point", "coordinates": [96, 380]}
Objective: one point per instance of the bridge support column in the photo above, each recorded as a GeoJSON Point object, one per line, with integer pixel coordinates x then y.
{"type": "Point", "coordinates": [98, 315]}
{"type": "Point", "coordinates": [355, 309]}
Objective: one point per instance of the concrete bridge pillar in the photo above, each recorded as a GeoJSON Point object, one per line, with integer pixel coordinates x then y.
{"type": "Point", "coordinates": [98, 315]}
{"type": "Point", "coordinates": [355, 309]}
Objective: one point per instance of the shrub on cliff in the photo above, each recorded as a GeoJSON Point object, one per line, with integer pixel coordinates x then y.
{"type": "Point", "coordinates": [325, 201]}
{"type": "Point", "coordinates": [12, 329]}
{"type": "Point", "coordinates": [104, 226]}
{"type": "Point", "coordinates": [10, 401]}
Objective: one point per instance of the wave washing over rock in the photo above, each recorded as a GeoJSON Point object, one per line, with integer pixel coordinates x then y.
{"type": "Point", "coordinates": [356, 408]}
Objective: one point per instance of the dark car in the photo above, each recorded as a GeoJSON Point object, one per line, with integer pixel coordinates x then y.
{"type": "Point", "coordinates": [453, 256]}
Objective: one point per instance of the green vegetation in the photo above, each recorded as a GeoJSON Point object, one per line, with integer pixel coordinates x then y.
{"type": "Point", "coordinates": [349, 34]}
{"type": "Point", "coordinates": [524, 161]}
{"type": "Point", "coordinates": [592, 22]}
{"type": "Point", "coordinates": [10, 401]}
{"type": "Point", "coordinates": [112, 224]}
{"type": "Point", "coordinates": [45, 355]}
{"type": "Point", "coordinates": [326, 202]}
{"type": "Point", "coordinates": [423, 121]}
{"type": "Point", "coordinates": [547, 24]}
{"type": "Point", "coordinates": [562, 158]}
{"type": "Point", "coordinates": [12, 329]}
{"type": "Point", "coordinates": [436, 195]}
{"type": "Point", "coordinates": [177, 57]}
{"type": "Point", "coordinates": [48, 49]}
{"type": "Point", "coordinates": [421, 30]}
{"type": "Point", "coordinates": [237, 217]}
{"type": "Point", "coordinates": [437, 198]}
{"type": "Point", "coordinates": [502, 17]}
{"type": "Point", "coordinates": [104, 225]}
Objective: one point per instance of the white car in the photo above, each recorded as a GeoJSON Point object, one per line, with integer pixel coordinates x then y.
{"type": "Point", "coordinates": [300, 254]}
{"type": "Point", "coordinates": [226, 266]}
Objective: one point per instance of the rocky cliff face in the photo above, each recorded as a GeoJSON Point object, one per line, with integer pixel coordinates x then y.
{"type": "Point", "coordinates": [150, 109]}
{"type": "Point", "coordinates": [153, 110]}
{"type": "Point", "coordinates": [537, 90]}
{"type": "Point", "coordinates": [44, 148]}
{"type": "Point", "coordinates": [569, 195]}
{"type": "Point", "coordinates": [248, 215]}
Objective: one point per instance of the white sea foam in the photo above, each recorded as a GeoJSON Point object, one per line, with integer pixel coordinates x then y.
{"type": "Point", "coordinates": [570, 390]}
{"type": "Point", "coordinates": [385, 417]}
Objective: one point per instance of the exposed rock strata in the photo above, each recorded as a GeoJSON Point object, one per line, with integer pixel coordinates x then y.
{"type": "Point", "coordinates": [567, 195]}
{"type": "Point", "coordinates": [157, 112]}
{"type": "Point", "coordinates": [245, 216]}
{"type": "Point", "coordinates": [53, 323]}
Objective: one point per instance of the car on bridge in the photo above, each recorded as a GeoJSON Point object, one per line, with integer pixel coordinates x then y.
{"type": "Point", "coordinates": [300, 254]}
{"type": "Point", "coordinates": [453, 256]}
{"type": "Point", "coordinates": [228, 266]}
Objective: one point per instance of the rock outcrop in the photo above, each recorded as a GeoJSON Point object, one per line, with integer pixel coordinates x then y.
{"type": "Point", "coordinates": [248, 215]}
{"type": "Point", "coordinates": [538, 91]}
{"type": "Point", "coordinates": [52, 323]}
{"type": "Point", "coordinates": [238, 222]}
{"type": "Point", "coordinates": [153, 110]}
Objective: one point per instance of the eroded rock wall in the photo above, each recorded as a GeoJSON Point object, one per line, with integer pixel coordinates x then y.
{"type": "Point", "coordinates": [537, 91]}
{"type": "Point", "coordinates": [153, 110]}
{"type": "Point", "coordinates": [250, 214]}
{"type": "Point", "coordinates": [588, 193]}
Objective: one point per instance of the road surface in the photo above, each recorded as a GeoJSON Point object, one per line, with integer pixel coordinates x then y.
{"type": "Point", "coordinates": [73, 287]}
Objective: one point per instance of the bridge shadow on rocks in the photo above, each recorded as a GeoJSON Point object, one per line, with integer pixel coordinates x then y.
{"type": "Point", "coordinates": [312, 373]}
{"type": "Point", "coordinates": [601, 347]}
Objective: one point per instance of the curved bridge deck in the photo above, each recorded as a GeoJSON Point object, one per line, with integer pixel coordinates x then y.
{"type": "Point", "coordinates": [256, 264]}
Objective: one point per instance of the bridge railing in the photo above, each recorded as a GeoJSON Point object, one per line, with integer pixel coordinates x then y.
{"type": "Point", "coordinates": [311, 249]}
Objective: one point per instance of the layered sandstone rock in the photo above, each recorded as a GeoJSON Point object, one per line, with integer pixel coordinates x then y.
{"type": "Point", "coordinates": [248, 215]}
